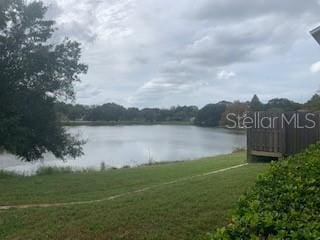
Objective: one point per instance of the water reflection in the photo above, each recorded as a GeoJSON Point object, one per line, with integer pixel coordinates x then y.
{"type": "Point", "coordinates": [119, 146]}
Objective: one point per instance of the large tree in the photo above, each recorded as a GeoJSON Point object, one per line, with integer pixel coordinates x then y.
{"type": "Point", "coordinates": [210, 115]}
{"type": "Point", "coordinates": [255, 104]}
{"type": "Point", "coordinates": [282, 105]}
{"type": "Point", "coordinates": [34, 73]}
{"type": "Point", "coordinates": [314, 103]}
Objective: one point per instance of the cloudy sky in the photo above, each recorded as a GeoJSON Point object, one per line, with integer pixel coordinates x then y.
{"type": "Point", "coordinates": [159, 53]}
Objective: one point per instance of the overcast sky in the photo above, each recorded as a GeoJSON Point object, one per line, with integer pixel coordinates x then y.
{"type": "Point", "coordinates": [160, 53]}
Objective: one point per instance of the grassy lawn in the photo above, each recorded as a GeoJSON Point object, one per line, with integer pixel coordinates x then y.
{"type": "Point", "coordinates": [183, 210]}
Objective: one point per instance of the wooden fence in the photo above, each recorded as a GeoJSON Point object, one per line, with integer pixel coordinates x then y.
{"type": "Point", "coordinates": [278, 135]}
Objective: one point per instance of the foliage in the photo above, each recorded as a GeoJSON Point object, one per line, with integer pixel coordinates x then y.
{"type": "Point", "coordinates": [111, 112]}
{"type": "Point", "coordinates": [210, 115]}
{"type": "Point", "coordinates": [53, 170]}
{"type": "Point", "coordinates": [255, 104]}
{"type": "Point", "coordinates": [237, 109]}
{"type": "Point", "coordinates": [284, 204]}
{"type": "Point", "coordinates": [282, 105]}
{"type": "Point", "coordinates": [34, 73]}
{"type": "Point", "coordinates": [70, 112]}
{"type": "Point", "coordinates": [207, 116]}
{"type": "Point", "coordinates": [313, 104]}
{"type": "Point", "coordinates": [106, 112]}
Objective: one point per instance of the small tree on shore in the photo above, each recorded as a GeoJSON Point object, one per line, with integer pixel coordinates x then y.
{"type": "Point", "coordinates": [34, 73]}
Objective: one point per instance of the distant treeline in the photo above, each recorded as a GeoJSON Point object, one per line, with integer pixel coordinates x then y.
{"type": "Point", "coordinates": [211, 115]}
{"type": "Point", "coordinates": [111, 112]}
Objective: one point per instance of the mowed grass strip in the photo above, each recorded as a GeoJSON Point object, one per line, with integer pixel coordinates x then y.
{"type": "Point", "coordinates": [184, 210]}
{"type": "Point", "coordinates": [83, 186]}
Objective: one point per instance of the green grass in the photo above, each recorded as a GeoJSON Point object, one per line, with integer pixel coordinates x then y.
{"type": "Point", "coordinates": [183, 210]}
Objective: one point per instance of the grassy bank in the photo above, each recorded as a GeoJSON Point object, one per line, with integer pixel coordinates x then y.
{"type": "Point", "coordinates": [185, 209]}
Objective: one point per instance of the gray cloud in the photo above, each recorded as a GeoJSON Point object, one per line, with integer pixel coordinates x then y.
{"type": "Point", "coordinates": [162, 53]}
{"type": "Point", "coordinates": [228, 10]}
{"type": "Point", "coordinates": [248, 40]}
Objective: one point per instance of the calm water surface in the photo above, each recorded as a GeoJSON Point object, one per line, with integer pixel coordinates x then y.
{"type": "Point", "coordinates": [119, 146]}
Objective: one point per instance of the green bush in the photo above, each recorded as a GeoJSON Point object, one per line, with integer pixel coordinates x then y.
{"type": "Point", "coordinates": [53, 170]}
{"type": "Point", "coordinates": [283, 204]}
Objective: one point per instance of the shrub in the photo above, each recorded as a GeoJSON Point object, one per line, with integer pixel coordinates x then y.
{"type": "Point", "coordinates": [53, 170]}
{"type": "Point", "coordinates": [283, 204]}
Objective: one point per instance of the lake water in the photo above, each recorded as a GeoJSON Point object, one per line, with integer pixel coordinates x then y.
{"type": "Point", "coordinates": [119, 146]}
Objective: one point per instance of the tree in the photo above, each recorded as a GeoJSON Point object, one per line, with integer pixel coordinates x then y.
{"type": "Point", "coordinates": [33, 75]}
{"type": "Point", "coordinates": [132, 114]}
{"type": "Point", "coordinates": [282, 104]}
{"type": "Point", "coordinates": [210, 115]}
{"type": "Point", "coordinates": [313, 104]}
{"type": "Point", "coordinates": [234, 110]}
{"type": "Point", "coordinates": [255, 104]}
{"type": "Point", "coordinates": [71, 112]}
{"type": "Point", "coordinates": [106, 112]}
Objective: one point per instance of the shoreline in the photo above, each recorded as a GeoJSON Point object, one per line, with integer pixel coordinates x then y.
{"type": "Point", "coordinates": [121, 123]}
{"type": "Point", "coordinates": [74, 169]}
{"type": "Point", "coordinates": [137, 123]}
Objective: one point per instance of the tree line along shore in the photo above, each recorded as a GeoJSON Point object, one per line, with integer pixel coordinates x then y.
{"type": "Point", "coordinates": [211, 115]}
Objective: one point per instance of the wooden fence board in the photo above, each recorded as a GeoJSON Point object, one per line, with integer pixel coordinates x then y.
{"type": "Point", "coordinates": [283, 139]}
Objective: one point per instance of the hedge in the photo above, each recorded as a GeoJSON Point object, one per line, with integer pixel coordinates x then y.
{"type": "Point", "coordinates": [283, 204]}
